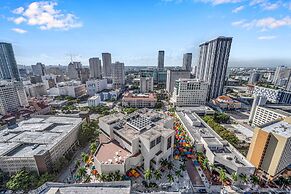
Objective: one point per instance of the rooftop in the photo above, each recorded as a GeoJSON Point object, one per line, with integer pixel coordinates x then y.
{"type": "Point", "coordinates": [282, 127]}
{"type": "Point", "coordinates": [112, 153]}
{"type": "Point", "coordinates": [35, 135]}
{"type": "Point", "coordinates": [150, 96]}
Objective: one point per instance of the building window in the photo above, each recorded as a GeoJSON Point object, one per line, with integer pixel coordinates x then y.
{"type": "Point", "coordinates": [152, 144]}
{"type": "Point", "coordinates": [169, 142]}
{"type": "Point", "coordinates": [158, 140]}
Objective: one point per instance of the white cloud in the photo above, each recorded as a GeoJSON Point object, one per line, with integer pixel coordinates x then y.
{"type": "Point", "coordinates": [267, 37]}
{"type": "Point", "coordinates": [19, 30]}
{"type": "Point", "coordinates": [19, 20]}
{"type": "Point", "coordinates": [18, 10]}
{"type": "Point", "coordinates": [266, 4]}
{"type": "Point", "coordinates": [238, 9]}
{"type": "Point", "coordinates": [218, 2]}
{"type": "Point", "coordinates": [264, 23]}
{"type": "Point", "coordinates": [44, 15]}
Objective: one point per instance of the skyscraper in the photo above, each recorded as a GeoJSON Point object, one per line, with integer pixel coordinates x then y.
{"type": "Point", "coordinates": [38, 69]}
{"type": "Point", "coordinates": [281, 76]}
{"type": "Point", "coordinates": [118, 75]}
{"type": "Point", "coordinates": [187, 61]}
{"type": "Point", "coordinates": [95, 68]}
{"type": "Point", "coordinates": [8, 66]}
{"type": "Point", "coordinates": [107, 69]}
{"type": "Point", "coordinates": [212, 65]}
{"type": "Point", "coordinates": [161, 60]}
{"type": "Point", "coordinates": [173, 75]}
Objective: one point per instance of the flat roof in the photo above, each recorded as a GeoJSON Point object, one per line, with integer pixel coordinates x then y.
{"type": "Point", "coordinates": [282, 128]}
{"type": "Point", "coordinates": [35, 135]}
{"type": "Point", "coordinates": [112, 153]}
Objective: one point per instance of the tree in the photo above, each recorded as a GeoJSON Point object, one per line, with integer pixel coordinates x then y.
{"type": "Point", "coordinates": [102, 177]}
{"type": "Point", "coordinates": [204, 163]}
{"type": "Point", "coordinates": [158, 175]}
{"type": "Point", "coordinates": [148, 174]}
{"type": "Point", "coordinates": [163, 162]}
{"type": "Point", "coordinates": [178, 173]}
{"type": "Point", "coordinates": [170, 165]}
{"type": "Point", "coordinates": [22, 180]}
{"type": "Point", "coordinates": [88, 132]}
{"type": "Point", "coordinates": [170, 178]}
{"type": "Point", "coordinates": [117, 176]}
{"type": "Point", "coordinates": [254, 179]}
{"type": "Point", "coordinates": [93, 148]}
{"type": "Point", "coordinates": [85, 157]}
{"type": "Point", "coordinates": [182, 167]}
{"type": "Point", "coordinates": [222, 175]}
{"type": "Point", "coordinates": [244, 178]}
{"type": "Point", "coordinates": [234, 176]}
{"type": "Point", "coordinates": [82, 172]}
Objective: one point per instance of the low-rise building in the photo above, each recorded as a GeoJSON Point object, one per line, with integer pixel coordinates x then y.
{"type": "Point", "coordinates": [226, 103]}
{"type": "Point", "coordinates": [37, 143]}
{"type": "Point", "coordinates": [218, 151]}
{"type": "Point", "coordinates": [141, 138]}
{"type": "Point", "coordinates": [95, 86]}
{"type": "Point", "coordinates": [189, 92]}
{"type": "Point", "coordinates": [139, 100]}
{"type": "Point", "coordinates": [73, 88]}
{"type": "Point", "coordinates": [270, 147]}
{"type": "Point", "coordinates": [94, 101]}
{"type": "Point", "coordinates": [35, 90]}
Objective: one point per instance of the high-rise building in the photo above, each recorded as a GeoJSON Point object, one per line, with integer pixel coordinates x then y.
{"type": "Point", "coordinates": [38, 69]}
{"type": "Point", "coordinates": [258, 101]}
{"type": "Point", "coordinates": [189, 92]}
{"type": "Point", "coordinates": [94, 86]}
{"type": "Point", "coordinates": [212, 65]}
{"type": "Point", "coordinates": [146, 84]}
{"type": "Point", "coordinates": [118, 75]}
{"type": "Point", "coordinates": [270, 147]}
{"type": "Point", "coordinates": [173, 75]}
{"type": "Point", "coordinates": [187, 61]}
{"type": "Point", "coordinates": [95, 68]}
{"type": "Point", "coordinates": [281, 76]}
{"type": "Point", "coordinates": [74, 70]}
{"type": "Point", "coordinates": [161, 60]}
{"type": "Point", "coordinates": [254, 77]}
{"type": "Point", "coordinates": [8, 66]}
{"type": "Point", "coordinates": [12, 96]}
{"type": "Point", "coordinates": [107, 66]}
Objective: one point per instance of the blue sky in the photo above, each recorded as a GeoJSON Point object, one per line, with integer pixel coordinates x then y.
{"type": "Point", "coordinates": [134, 30]}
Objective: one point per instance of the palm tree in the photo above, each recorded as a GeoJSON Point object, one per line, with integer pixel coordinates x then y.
{"type": "Point", "coordinates": [204, 163]}
{"type": "Point", "coordinates": [85, 157]}
{"type": "Point", "coordinates": [244, 178]}
{"type": "Point", "coordinates": [82, 171]}
{"type": "Point", "coordinates": [222, 175]}
{"type": "Point", "coordinates": [178, 173]}
{"type": "Point", "coordinates": [158, 175]}
{"type": "Point", "coordinates": [170, 165]}
{"type": "Point", "coordinates": [212, 167]}
{"type": "Point", "coordinates": [170, 178]}
{"type": "Point", "coordinates": [117, 176]}
{"type": "Point", "coordinates": [147, 174]}
{"type": "Point", "coordinates": [234, 176]}
{"type": "Point", "coordinates": [254, 179]}
{"type": "Point", "coordinates": [182, 167]}
{"type": "Point", "coordinates": [163, 162]}
{"type": "Point", "coordinates": [93, 148]}
{"type": "Point", "coordinates": [102, 177]}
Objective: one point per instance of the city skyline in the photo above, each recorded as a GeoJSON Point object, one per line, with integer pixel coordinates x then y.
{"type": "Point", "coordinates": [52, 31]}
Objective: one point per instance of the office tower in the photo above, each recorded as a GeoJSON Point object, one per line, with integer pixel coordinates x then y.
{"type": "Point", "coordinates": [85, 75]}
{"type": "Point", "coordinates": [288, 86]}
{"type": "Point", "coordinates": [107, 69]}
{"type": "Point", "coordinates": [38, 69]}
{"type": "Point", "coordinates": [161, 60]}
{"type": "Point", "coordinates": [270, 147]}
{"type": "Point", "coordinates": [187, 62]}
{"type": "Point", "coordinates": [212, 65]}
{"type": "Point", "coordinates": [146, 84]}
{"type": "Point", "coordinates": [118, 76]}
{"type": "Point", "coordinates": [95, 68]}
{"type": "Point", "coordinates": [254, 77]}
{"type": "Point", "coordinates": [74, 70]}
{"type": "Point", "coordinates": [189, 92]}
{"type": "Point", "coordinates": [258, 101]}
{"type": "Point", "coordinates": [8, 66]}
{"type": "Point", "coordinates": [281, 76]}
{"type": "Point", "coordinates": [173, 75]}
{"type": "Point", "coordinates": [12, 96]}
